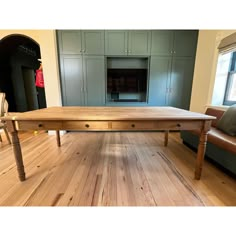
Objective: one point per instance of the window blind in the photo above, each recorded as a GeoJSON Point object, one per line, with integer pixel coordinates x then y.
{"type": "Point", "coordinates": [228, 44]}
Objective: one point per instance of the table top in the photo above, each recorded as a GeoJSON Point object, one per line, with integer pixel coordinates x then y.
{"type": "Point", "coordinates": [108, 113]}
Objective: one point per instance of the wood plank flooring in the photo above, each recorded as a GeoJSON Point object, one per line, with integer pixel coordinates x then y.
{"type": "Point", "coordinates": [110, 169]}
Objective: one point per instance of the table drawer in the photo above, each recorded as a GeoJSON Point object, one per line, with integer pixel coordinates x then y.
{"type": "Point", "coordinates": [39, 125]}
{"type": "Point", "coordinates": [177, 125]}
{"type": "Point", "coordinates": [85, 125]}
{"type": "Point", "coordinates": [132, 125]}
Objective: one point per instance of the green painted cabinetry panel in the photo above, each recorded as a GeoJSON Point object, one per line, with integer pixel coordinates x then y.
{"type": "Point", "coordinates": [82, 80]}
{"type": "Point", "coordinates": [116, 42]}
{"type": "Point", "coordinates": [160, 69]}
{"type": "Point", "coordinates": [83, 68]}
{"type": "Point", "coordinates": [94, 77]}
{"type": "Point", "coordinates": [139, 42]}
{"type": "Point", "coordinates": [70, 41]}
{"type": "Point", "coordinates": [181, 82]}
{"type": "Point", "coordinates": [162, 42]}
{"type": "Point", "coordinates": [185, 42]}
{"type": "Point", "coordinates": [72, 80]}
{"type": "Point", "coordinates": [174, 42]}
{"type": "Point", "coordinates": [127, 42]}
{"type": "Point", "coordinates": [93, 42]}
{"type": "Point", "coordinates": [87, 42]}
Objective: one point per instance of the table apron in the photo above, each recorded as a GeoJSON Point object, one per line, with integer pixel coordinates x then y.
{"type": "Point", "coordinates": [110, 125]}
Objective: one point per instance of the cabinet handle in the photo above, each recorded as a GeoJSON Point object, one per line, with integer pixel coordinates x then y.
{"type": "Point", "coordinates": [40, 125]}
{"type": "Point", "coordinates": [133, 125]}
{"type": "Point", "coordinates": [174, 52]}
{"type": "Point", "coordinates": [171, 52]}
{"type": "Point", "coordinates": [87, 125]}
{"type": "Point", "coordinates": [178, 125]}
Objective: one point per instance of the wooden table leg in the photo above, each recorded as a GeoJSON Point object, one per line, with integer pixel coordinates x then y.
{"type": "Point", "coordinates": [166, 137]}
{"type": "Point", "coordinates": [18, 155]}
{"type": "Point", "coordinates": [7, 135]}
{"type": "Point", "coordinates": [201, 150]}
{"type": "Point", "coordinates": [58, 138]}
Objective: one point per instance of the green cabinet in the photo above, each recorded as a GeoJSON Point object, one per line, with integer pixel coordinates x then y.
{"type": "Point", "coordinates": [127, 42]}
{"type": "Point", "coordinates": [69, 41]}
{"type": "Point", "coordinates": [162, 42]}
{"type": "Point", "coordinates": [82, 80]}
{"type": "Point", "coordinates": [94, 80]}
{"type": "Point", "coordinates": [170, 55]}
{"type": "Point", "coordinates": [180, 86]}
{"type": "Point", "coordinates": [116, 42]}
{"type": "Point", "coordinates": [185, 42]}
{"type": "Point", "coordinates": [86, 42]}
{"type": "Point", "coordinates": [170, 81]}
{"type": "Point", "coordinates": [171, 68]}
{"type": "Point", "coordinates": [160, 71]}
{"type": "Point", "coordinates": [174, 42]}
{"type": "Point", "coordinates": [71, 70]}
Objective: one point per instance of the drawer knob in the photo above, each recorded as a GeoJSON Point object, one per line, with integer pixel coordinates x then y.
{"type": "Point", "coordinates": [133, 125]}
{"type": "Point", "coordinates": [178, 125]}
{"type": "Point", "coordinates": [40, 125]}
{"type": "Point", "coordinates": [87, 125]}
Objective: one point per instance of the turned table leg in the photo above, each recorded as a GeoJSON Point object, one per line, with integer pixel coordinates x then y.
{"type": "Point", "coordinates": [58, 138]}
{"type": "Point", "coordinates": [201, 149]}
{"type": "Point", "coordinates": [166, 137]}
{"type": "Point", "coordinates": [18, 155]}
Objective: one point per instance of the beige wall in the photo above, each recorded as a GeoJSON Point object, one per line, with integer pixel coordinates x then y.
{"type": "Point", "coordinates": [47, 41]}
{"type": "Point", "coordinates": [205, 68]}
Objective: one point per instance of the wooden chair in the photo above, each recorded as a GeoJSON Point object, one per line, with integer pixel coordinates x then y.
{"type": "Point", "coordinates": [3, 112]}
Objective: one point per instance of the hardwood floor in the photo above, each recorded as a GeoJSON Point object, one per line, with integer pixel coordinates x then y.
{"type": "Point", "coordinates": [110, 169]}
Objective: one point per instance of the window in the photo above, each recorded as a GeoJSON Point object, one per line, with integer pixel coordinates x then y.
{"type": "Point", "coordinates": [225, 83]}
{"type": "Point", "coordinates": [230, 91]}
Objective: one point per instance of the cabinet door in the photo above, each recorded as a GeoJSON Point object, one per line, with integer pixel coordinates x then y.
{"type": "Point", "coordinates": [70, 41]}
{"type": "Point", "coordinates": [159, 79]}
{"type": "Point", "coordinates": [72, 80]}
{"type": "Point", "coordinates": [162, 42]}
{"type": "Point", "coordinates": [185, 43]}
{"type": "Point", "coordinates": [116, 42]}
{"type": "Point", "coordinates": [139, 42]}
{"type": "Point", "coordinates": [181, 82]}
{"type": "Point", "coordinates": [93, 42]}
{"type": "Point", "coordinates": [94, 77]}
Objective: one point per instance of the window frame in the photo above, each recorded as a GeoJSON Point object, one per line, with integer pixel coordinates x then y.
{"type": "Point", "coordinates": [231, 72]}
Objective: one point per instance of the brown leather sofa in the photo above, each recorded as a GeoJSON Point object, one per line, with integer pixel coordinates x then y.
{"type": "Point", "coordinates": [221, 147]}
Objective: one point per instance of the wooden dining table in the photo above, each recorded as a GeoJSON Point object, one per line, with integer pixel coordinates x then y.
{"type": "Point", "coordinates": [108, 119]}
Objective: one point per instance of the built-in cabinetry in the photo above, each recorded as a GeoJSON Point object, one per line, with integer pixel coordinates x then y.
{"type": "Point", "coordinates": [174, 43]}
{"type": "Point", "coordinates": [171, 68]}
{"type": "Point", "coordinates": [87, 42]}
{"type": "Point", "coordinates": [88, 59]}
{"type": "Point", "coordinates": [127, 42]}
{"type": "Point", "coordinates": [82, 67]}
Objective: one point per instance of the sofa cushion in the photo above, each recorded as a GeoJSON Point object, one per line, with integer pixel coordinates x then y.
{"type": "Point", "coordinates": [221, 139]}
{"type": "Point", "coordinates": [227, 122]}
{"type": "Point", "coordinates": [214, 112]}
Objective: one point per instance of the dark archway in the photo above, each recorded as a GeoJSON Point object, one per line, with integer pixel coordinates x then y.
{"type": "Point", "coordinates": [19, 56]}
